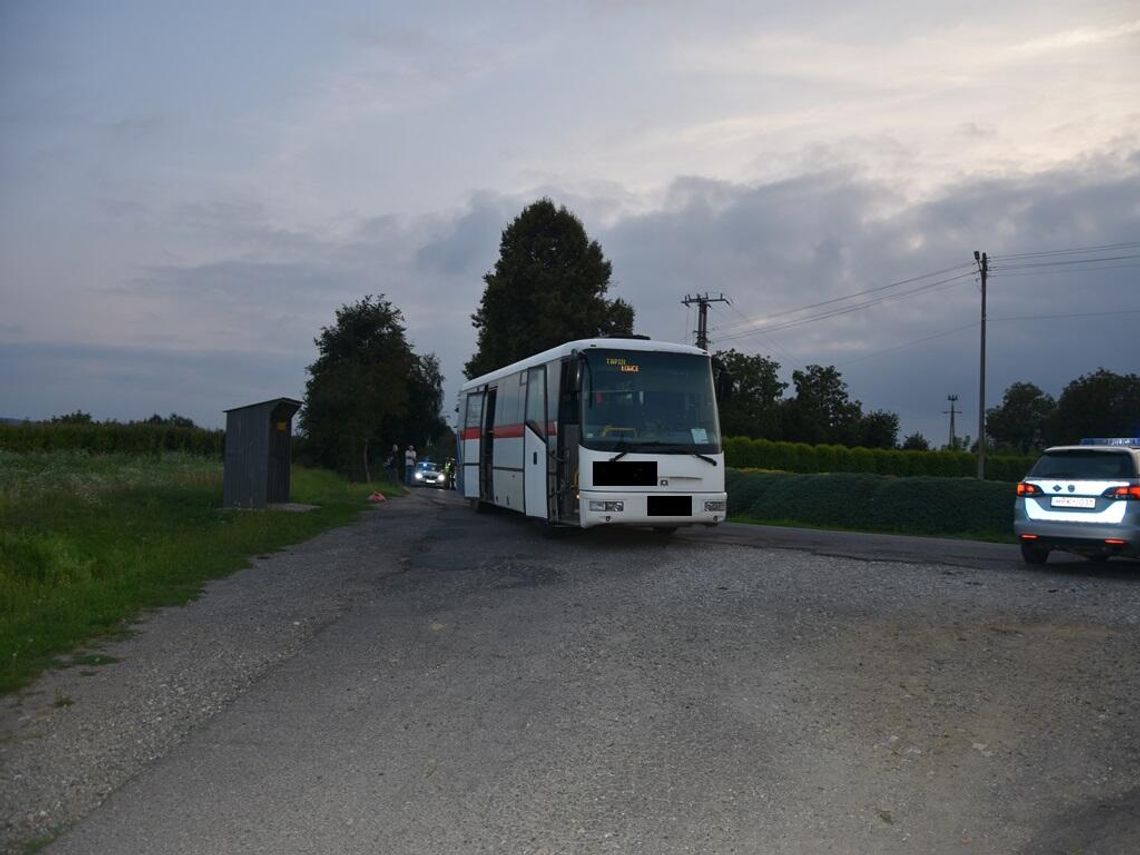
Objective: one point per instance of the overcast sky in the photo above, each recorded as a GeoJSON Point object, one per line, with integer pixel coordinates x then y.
{"type": "Point", "coordinates": [189, 191]}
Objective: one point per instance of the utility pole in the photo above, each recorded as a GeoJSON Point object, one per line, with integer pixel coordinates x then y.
{"type": "Point", "coordinates": [702, 302]}
{"type": "Point", "coordinates": [983, 268]}
{"type": "Point", "coordinates": [953, 436]}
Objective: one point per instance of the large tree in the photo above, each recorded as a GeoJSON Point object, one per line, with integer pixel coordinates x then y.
{"type": "Point", "coordinates": [750, 394]}
{"type": "Point", "coordinates": [878, 429]}
{"type": "Point", "coordinates": [1019, 421]}
{"type": "Point", "coordinates": [1099, 404]}
{"type": "Point", "coordinates": [422, 423]}
{"type": "Point", "coordinates": [548, 287]}
{"type": "Point", "coordinates": [368, 387]}
{"type": "Point", "coordinates": [821, 411]}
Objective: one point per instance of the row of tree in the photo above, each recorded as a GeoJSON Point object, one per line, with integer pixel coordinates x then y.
{"type": "Point", "coordinates": [80, 417]}
{"type": "Point", "coordinates": [1102, 403]}
{"type": "Point", "coordinates": [368, 388]}
{"type": "Point", "coordinates": [821, 411]}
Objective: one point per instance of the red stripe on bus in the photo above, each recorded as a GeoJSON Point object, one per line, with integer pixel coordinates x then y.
{"type": "Point", "coordinates": [505, 431]}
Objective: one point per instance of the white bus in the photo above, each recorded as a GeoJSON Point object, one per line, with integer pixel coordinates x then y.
{"type": "Point", "coordinates": [602, 431]}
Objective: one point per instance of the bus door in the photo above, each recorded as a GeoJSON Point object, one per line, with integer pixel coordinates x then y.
{"type": "Point", "coordinates": [487, 449]}
{"type": "Point", "coordinates": [569, 432]}
{"type": "Point", "coordinates": [535, 458]}
{"type": "Point", "coordinates": [470, 434]}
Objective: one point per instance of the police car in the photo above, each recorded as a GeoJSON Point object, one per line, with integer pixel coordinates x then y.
{"type": "Point", "coordinates": [428, 473]}
{"type": "Point", "coordinates": [1083, 499]}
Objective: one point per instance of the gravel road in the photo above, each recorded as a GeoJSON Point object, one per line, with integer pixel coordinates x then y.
{"type": "Point", "coordinates": [75, 736]}
{"type": "Point", "coordinates": [477, 687]}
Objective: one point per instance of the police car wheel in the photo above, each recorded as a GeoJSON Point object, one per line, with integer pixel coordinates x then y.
{"type": "Point", "coordinates": [1031, 554]}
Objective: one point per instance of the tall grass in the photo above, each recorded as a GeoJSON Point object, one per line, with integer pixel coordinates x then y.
{"type": "Point", "coordinates": [87, 541]}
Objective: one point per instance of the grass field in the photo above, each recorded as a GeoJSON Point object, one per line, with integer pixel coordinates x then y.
{"type": "Point", "coordinates": [88, 541]}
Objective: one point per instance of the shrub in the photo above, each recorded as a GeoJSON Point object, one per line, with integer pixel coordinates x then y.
{"type": "Point", "coordinates": [916, 505]}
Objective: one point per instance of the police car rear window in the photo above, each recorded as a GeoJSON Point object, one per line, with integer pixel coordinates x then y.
{"type": "Point", "coordinates": [1085, 464]}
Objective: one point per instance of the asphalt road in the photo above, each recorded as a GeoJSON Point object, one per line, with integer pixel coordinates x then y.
{"type": "Point", "coordinates": [466, 683]}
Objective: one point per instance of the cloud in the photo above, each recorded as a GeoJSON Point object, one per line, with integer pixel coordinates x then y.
{"type": "Point", "coordinates": [466, 245]}
{"type": "Point", "coordinates": [126, 383]}
{"type": "Point", "coordinates": [239, 327]}
{"type": "Point", "coordinates": [775, 247]}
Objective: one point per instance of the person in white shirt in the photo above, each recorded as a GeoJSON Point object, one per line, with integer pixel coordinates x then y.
{"type": "Point", "coordinates": [409, 464]}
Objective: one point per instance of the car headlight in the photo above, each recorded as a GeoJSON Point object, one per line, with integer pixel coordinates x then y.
{"type": "Point", "coordinates": [610, 507]}
{"type": "Point", "coordinates": [419, 476]}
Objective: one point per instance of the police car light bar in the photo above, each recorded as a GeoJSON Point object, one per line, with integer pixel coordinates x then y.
{"type": "Point", "coordinates": [1133, 441]}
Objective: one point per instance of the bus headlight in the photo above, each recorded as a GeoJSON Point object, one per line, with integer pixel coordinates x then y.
{"type": "Point", "coordinates": [714, 506]}
{"type": "Point", "coordinates": [607, 507]}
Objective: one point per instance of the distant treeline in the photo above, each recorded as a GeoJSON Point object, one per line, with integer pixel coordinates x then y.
{"type": "Point", "coordinates": [740, 452]}
{"type": "Point", "coordinates": [746, 453]}
{"type": "Point", "coordinates": [111, 438]}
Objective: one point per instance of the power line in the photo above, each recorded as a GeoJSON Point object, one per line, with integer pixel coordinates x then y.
{"type": "Point", "coordinates": [1036, 265]}
{"type": "Point", "coordinates": [771, 344]}
{"type": "Point", "coordinates": [1084, 249]}
{"type": "Point", "coordinates": [974, 324]}
{"type": "Point", "coordinates": [730, 327]}
{"type": "Point", "coordinates": [1018, 273]}
{"type": "Point", "coordinates": [911, 343]}
{"type": "Point", "coordinates": [1021, 263]}
{"type": "Point", "coordinates": [1074, 315]}
{"type": "Point", "coordinates": [845, 310]}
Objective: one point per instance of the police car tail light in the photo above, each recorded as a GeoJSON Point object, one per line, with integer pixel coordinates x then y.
{"type": "Point", "coordinates": [1125, 493]}
{"type": "Point", "coordinates": [1024, 489]}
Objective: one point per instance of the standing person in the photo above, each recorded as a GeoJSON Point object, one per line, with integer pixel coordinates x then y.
{"type": "Point", "coordinates": [392, 464]}
{"type": "Point", "coordinates": [409, 464]}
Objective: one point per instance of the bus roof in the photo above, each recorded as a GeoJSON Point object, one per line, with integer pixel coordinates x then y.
{"type": "Point", "coordinates": [581, 344]}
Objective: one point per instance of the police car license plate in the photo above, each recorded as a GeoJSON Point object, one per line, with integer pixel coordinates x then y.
{"type": "Point", "coordinates": [1073, 502]}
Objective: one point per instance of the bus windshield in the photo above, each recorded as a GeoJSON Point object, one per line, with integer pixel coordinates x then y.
{"type": "Point", "coordinates": [648, 401]}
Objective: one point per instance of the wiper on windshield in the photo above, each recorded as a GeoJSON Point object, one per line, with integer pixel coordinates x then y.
{"type": "Point", "coordinates": [624, 446]}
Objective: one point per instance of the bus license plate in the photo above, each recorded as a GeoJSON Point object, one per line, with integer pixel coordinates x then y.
{"type": "Point", "coordinates": [1073, 502]}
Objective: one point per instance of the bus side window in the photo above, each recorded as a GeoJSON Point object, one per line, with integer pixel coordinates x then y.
{"type": "Point", "coordinates": [474, 410]}
{"type": "Point", "coordinates": [536, 400]}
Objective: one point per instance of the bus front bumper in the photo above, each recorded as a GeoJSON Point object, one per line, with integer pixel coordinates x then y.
{"type": "Point", "coordinates": [596, 507]}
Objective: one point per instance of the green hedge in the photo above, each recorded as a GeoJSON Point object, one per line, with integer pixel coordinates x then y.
{"type": "Point", "coordinates": [865, 501]}
{"type": "Point", "coordinates": [746, 453]}
{"type": "Point", "coordinates": [140, 438]}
